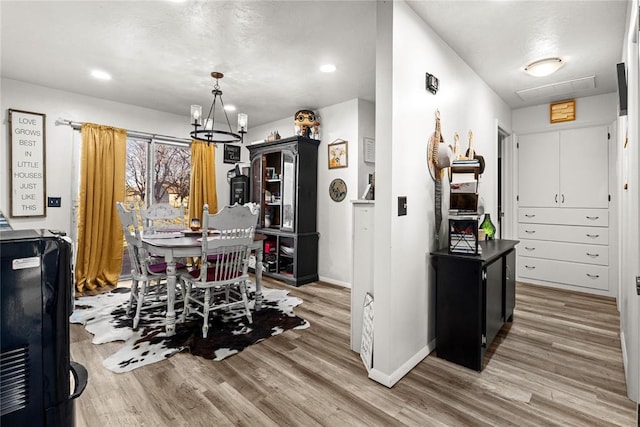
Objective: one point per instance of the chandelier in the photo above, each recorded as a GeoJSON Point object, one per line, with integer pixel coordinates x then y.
{"type": "Point", "coordinates": [204, 127]}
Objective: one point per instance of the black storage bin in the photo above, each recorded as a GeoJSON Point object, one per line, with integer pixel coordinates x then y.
{"type": "Point", "coordinates": [36, 302]}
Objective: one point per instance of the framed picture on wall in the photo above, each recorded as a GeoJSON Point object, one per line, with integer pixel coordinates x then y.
{"type": "Point", "coordinates": [338, 155]}
{"type": "Point", "coordinates": [28, 164]}
{"type": "Point", "coordinates": [231, 153]}
{"type": "Point", "coordinates": [369, 150]}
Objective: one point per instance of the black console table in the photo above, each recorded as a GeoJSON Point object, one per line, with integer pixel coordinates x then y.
{"type": "Point", "coordinates": [475, 296]}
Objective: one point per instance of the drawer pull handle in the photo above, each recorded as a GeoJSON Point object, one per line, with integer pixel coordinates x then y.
{"type": "Point", "coordinates": [530, 231]}
{"type": "Point", "coordinates": [529, 215]}
{"type": "Point", "coordinates": [529, 267]}
{"type": "Point", "coordinates": [593, 236]}
{"type": "Point", "coordinates": [592, 218]}
{"type": "Point", "coordinates": [593, 276]}
{"type": "Point", "coordinates": [593, 255]}
{"type": "Point", "coordinates": [529, 249]}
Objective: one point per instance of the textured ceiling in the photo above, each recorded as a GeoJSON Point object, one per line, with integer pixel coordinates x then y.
{"type": "Point", "coordinates": [499, 38]}
{"type": "Point", "coordinates": [161, 53]}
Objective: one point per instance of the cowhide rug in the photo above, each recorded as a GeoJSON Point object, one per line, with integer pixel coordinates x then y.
{"type": "Point", "coordinates": [105, 316]}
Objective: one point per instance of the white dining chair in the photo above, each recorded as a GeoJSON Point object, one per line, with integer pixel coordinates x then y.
{"type": "Point", "coordinates": [162, 217]}
{"type": "Point", "coordinates": [222, 280]}
{"type": "Point", "coordinates": [147, 290]}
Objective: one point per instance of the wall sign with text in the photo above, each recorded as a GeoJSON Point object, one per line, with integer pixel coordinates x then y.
{"type": "Point", "coordinates": [27, 144]}
{"type": "Point", "coordinates": [231, 153]}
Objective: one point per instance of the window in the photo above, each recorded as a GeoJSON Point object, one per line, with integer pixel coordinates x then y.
{"type": "Point", "coordinates": [156, 172]}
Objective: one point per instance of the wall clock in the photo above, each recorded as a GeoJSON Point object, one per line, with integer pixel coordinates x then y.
{"type": "Point", "coordinates": [337, 190]}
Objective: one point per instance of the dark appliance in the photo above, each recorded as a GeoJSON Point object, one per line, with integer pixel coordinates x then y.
{"type": "Point", "coordinates": [36, 300]}
{"type": "Point", "coordinates": [239, 187]}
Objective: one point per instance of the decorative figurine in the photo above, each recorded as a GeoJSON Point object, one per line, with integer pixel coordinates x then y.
{"type": "Point", "coordinates": [306, 120]}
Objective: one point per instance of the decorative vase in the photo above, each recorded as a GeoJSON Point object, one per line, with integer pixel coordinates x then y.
{"type": "Point", "coordinates": [267, 220]}
{"type": "Point", "coordinates": [488, 227]}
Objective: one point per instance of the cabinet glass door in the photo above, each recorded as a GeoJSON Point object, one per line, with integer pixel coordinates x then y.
{"type": "Point", "coordinates": [256, 186]}
{"type": "Point", "coordinates": [288, 191]}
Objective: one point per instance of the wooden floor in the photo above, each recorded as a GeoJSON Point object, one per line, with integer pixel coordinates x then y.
{"type": "Point", "coordinates": [559, 363]}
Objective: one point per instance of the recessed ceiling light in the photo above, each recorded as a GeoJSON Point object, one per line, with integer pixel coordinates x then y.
{"type": "Point", "coordinates": [544, 67]}
{"type": "Point", "coordinates": [328, 68]}
{"type": "Point", "coordinates": [230, 107]}
{"type": "Point", "coordinates": [101, 75]}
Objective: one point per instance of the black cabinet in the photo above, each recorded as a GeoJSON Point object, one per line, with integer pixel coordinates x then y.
{"type": "Point", "coordinates": [284, 184]}
{"type": "Point", "coordinates": [475, 296]}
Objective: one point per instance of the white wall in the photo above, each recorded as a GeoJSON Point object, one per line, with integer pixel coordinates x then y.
{"type": "Point", "coordinates": [404, 327]}
{"type": "Point", "coordinates": [366, 129]}
{"type": "Point", "coordinates": [590, 111]}
{"type": "Point", "coordinates": [344, 121]}
{"type": "Point", "coordinates": [59, 163]}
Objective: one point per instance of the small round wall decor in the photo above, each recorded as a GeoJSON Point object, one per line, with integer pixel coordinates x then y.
{"type": "Point", "coordinates": [337, 190]}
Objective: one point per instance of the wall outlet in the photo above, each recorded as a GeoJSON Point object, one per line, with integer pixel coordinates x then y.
{"type": "Point", "coordinates": [402, 205]}
{"type": "Point", "coordinates": [54, 202]}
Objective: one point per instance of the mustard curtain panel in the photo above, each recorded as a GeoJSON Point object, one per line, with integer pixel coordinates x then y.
{"type": "Point", "coordinates": [102, 184]}
{"type": "Point", "coordinates": [202, 188]}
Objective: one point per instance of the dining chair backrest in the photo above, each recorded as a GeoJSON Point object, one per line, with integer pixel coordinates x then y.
{"type": "Point", "coordinates": [131, 230]}
{"type": "Point", "coordinates": [236, 216]}
{"type": "Point", "coordinates": [229, 244]}
{"type": "Point", "coordinates": [161, 217]}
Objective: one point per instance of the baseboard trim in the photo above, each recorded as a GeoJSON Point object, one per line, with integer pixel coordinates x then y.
{"type": "Point", "coordinates": [625, 357]}
{"type": "Point", "coordinates": [335, 282]}
{"type": "Point", "coordinates": [389, 380]}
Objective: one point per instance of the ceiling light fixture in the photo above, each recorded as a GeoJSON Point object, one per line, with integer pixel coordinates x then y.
{"type": "Point", "coordinates": [328, 68]}
{"type": "Point", "coordinates": [204, 127]}
{"type": "Point", "coordinates": [544, 67]}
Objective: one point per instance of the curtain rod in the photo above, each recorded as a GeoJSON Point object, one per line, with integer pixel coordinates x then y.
{"type": "Point", "coordinates": [131, 133]}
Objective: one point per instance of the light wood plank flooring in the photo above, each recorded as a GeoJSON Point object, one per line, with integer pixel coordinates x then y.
{"type": "Point", "coordinates": [559, 363]}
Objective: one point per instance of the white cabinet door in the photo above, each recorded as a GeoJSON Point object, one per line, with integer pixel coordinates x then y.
{"type": "Point", "coordinates": [538, 170]}
{"type": "Point", "coordinates": [584, 173]}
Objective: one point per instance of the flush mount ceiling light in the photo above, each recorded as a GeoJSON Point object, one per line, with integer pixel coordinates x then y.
{"type": "Point", "coordinates": [544, 67]}
{"type": "Point", "coordinates": [204, 128]}
{"type": "Point", "coordinates": [100, 75]}
{"type": "Point", "coordinates": [328, 68]}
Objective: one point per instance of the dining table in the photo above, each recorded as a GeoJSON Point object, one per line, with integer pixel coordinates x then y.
{"type": "Point", "coordinates": [175, 246]}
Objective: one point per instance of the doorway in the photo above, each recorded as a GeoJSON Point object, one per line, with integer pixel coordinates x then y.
{"type": "Point", "coordinates": [503, 167]}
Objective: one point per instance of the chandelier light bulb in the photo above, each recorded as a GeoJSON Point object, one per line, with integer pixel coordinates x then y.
{"type": "Point", "coordinates": [196, 113]}
{"type": "Point", "coordinates": [242, 122]}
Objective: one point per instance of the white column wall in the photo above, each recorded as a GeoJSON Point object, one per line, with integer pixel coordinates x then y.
{"type": "Point", "coordinates": [630, 208]}
{"type": "Point", "coordinates": [407, 48]}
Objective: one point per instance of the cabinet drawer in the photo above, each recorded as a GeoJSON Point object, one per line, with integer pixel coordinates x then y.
{"type": "Point", "coordinates": [588, 217]}
{"type": "Point", "coordinates": [569, 273]}
{"type": "Point", "coordinates": [561, 251]}
{"type": "Point", "coordinates": [564, 233]}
